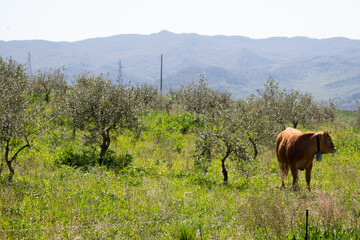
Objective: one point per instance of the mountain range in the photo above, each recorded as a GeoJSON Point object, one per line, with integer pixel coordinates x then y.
{"type": "Point", "coordinates": [326, 68]}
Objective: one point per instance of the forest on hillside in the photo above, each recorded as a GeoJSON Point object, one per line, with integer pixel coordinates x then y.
{"type": "Point", "coordinates": [101, 159]}
{"type": "Point", "coordinates": [326, 68]}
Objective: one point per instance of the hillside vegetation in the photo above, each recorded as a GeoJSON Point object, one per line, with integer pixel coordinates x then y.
{"type": "Point", "coordinates": [152, 166]}
{"type": "Point", "coordinates": [325, 68]}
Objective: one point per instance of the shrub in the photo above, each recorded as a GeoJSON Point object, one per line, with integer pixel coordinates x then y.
{"type": "Point", "coordinates": [116, 163]}
{"type": "Point", "coordinates": [78, 158]}
{"type": "Point", "coordinates": [87, 158]}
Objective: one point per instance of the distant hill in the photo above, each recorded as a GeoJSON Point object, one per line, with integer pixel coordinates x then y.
{"type": "Point", "coordinates": [327, 68]}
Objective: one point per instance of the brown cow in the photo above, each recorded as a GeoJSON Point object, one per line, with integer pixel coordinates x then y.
{"type": "Point", "coordinates": [296, 150]}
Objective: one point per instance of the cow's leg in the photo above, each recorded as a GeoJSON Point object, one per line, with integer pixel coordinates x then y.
{"type": "Point", "coordinates": [294, 172]}
{"type": "Point", "coordinates": [283, 173]}
{"type": "Point", "coordinates": [282, 180]}
{"type": "Point", "coordinates": [308, 177]}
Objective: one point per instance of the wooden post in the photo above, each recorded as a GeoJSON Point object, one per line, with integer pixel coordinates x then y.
{"type": "Point", "coordinates": [307, 220]}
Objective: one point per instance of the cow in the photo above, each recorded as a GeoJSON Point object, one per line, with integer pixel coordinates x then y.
{"type": "Point", "coordinates": [296, 150]}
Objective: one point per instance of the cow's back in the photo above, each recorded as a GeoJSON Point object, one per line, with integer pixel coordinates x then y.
{"type": "Point", "coordinates": [284, 141]}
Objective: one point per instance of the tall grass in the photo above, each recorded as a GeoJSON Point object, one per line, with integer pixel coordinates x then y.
{"type": "Point", "coordinates": [161, 195]}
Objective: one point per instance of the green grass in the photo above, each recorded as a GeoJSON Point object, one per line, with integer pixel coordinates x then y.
{"type": "Point", "coordinates": [346, 116]}
{"type": "Point", "coordinates": [161, 195]}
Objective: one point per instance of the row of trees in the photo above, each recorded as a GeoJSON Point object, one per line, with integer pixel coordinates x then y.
{"type": "Point", "coordinates": [98, 107]}
{"type": "Point", "coordinates": [92, 104]}
{"type": "Point", "coordinates": [236, 129]}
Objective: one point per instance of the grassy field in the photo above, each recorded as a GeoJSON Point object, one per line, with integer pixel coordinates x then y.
{"type": "Point", "coordinates": [161, 195]}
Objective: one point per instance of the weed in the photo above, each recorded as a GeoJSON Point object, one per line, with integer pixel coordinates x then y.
{"type": "Point", "coordinates": [186, 232]}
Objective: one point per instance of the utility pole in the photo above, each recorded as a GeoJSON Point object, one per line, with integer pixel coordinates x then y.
{"type": "Point", "coordinates": [120, 78]}
{"type": "Point", "coordinates": [161, 70]}
{"type": "Point", "coordinates": [29, 70]}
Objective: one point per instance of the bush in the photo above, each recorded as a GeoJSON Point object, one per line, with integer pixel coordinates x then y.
{"type": "Point", "coordinates": [78, 158]}
{"type": "Point", "coordinates": [116, 163]}
{"type": "Point", "coordinates": [87, 158]}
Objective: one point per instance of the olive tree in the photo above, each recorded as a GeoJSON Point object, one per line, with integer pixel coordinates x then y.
{"type": "Point", "coordinates": [284, 107]}
{"type": "Point", "coordinates": [199, 98]}
{"type": "Point", "coordinates": [51, 82]}
{"type": "Point", "coordinates": [259, 129]}
{"type": "Point", "coordinates": [222, 136]}
{"type": "Point", "coordinates": [100, 107]}
{"type": "Point", "coordinates": [272, 99]}
{"type": "Point", "coordinates": [19, 113]}
{"type": "Point", "coordinates": [147, 95]}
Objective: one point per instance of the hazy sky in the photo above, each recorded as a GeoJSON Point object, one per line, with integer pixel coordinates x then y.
{"type": "Point", "coordinates": [72, 20]}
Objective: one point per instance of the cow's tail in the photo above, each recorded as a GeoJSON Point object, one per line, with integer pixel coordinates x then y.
{"type": "Point", "coordinates": [284, 169]}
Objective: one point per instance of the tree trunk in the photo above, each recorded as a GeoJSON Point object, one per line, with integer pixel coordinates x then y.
{"type": "Point", "coordinates": [224, 171]}
{"type": "Point", "coordinates": [8, 162]}
{"type": "Point", "coordinates": [47, 97]}
{"type": "Point", "coordinates": [167, 105]}
{"type": "Point", "coordinates": [11, 169]}
{"type": "Point", "coordinates": [254, 146]}
{"type": "Point", "coordinates": [74, 132]}
{"type": "Point", "coordinates": [105, 145]}
{"type": "Point", "coordinates": [74, 128]}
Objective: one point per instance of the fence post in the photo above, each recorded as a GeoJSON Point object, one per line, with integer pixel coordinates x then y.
{"type": "Point", "coordinates": [307, 220]}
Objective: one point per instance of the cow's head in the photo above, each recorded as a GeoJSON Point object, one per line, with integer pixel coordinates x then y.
{"type": "Point", "coordinates": [326, 143]}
